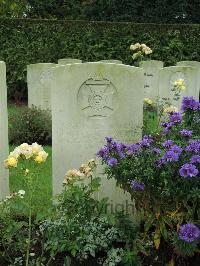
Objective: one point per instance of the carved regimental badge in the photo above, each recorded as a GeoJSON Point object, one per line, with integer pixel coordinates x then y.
{"type": "Point", "coordinates": [45, 77]}
{"type": "Point", "coordinates": [97, 98]}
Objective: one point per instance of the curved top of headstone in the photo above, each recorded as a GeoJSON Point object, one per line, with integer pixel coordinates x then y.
{"type": "Point", "coordinates": [153, 63]}
{"type": "Point", "coordinates": [65, 61]}
{"type": "Point", "coordinates": [41, 65]}
{"type": "Point", "coordinates": [115, 61]}
{"type": "Point", "coordinates": [176, 68]}
{"type": "Point", "coordinates": [188, 63]}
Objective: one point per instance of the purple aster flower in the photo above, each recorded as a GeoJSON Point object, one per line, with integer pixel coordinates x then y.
{"type": "Point", "coordinates": [109, 139]}
{"type": "Point", "coordinates": [186, 133]}
{"type": "Point", "coordinates": [133, 148]}
{"type": "Point", "coordinates": [175, 117]}
{"type": "Point", "coordinates": [189, 103]}
{"type": "Point", "coordinates": [112, 161]}
{"type": "Point", "coordinates": [156, 150]}
{"type": "Point", "coordinates": [164, 124]}
{"type": "Point", "coordinates": [103, 153]}
{"type": "Point", "coordinates": [195, 159]}
{"type": "Point", "coordinates": [176, 149]}
{"type": "Point", "coordinates": [188, 170]}
{"type": "Point", "coordinates": [194, 146]}
{"type": "Point", "coordinates": [170, 156]}
{"type": "Point", "coordinates": [189, 232]}
{"type": "Point", "coordinates": [167, 128]}
{"type": "Point", "coordinates": [167, 143]}
{"type": "Point", "coordinates": [120, 150]}
{"type": "Point", "coordinates": [137, 185]}
{"type": "Point", "coordinates": [146, 141]}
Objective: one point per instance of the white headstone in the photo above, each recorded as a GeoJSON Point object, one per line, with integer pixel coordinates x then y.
{"type": "Point", "coordinates": [38, 79]}
{"type": "Point", "coordinates": [194, 64]}
{"type": "Point", "coordinates": [115, 61]}
{"type": "Point", "coordinates": [91, 101]}
{"type": "Point", "coordinates": [65, 61]}
{"type": "Point", "coordinates": [151, 77]}
{"type": "Point", "coordinates": [4, 174]}
{"type": "Point", "coordinates": [168, 75]}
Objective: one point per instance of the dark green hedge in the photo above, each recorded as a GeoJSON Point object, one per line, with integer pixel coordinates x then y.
{"type": "Point", "coordinates": [23, 42]}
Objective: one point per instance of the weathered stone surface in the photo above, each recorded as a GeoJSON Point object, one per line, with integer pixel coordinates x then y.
{"type": "Point", "coordinates": [65, 61]}
{"type": "Point", "coordinates": [38, 79]}
{"type": "Point", "coordinates": [168, 75]}
{"type": "Point", "coordinates": [194, 64]}
{"type": "Point", "coordinates": [4, 174]}
{"type": "Point", "coordinates": [151, 77]}
{"type": "Point", "coordinates": [91, 101]}
{"type": "Point", "coordinates": [115, 61]}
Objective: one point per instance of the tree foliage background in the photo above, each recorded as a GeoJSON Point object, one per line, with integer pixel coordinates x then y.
{"type": "Point", "coordinates": [150, 11]}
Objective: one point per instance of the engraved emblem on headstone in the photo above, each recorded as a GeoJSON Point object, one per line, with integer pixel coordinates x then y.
{"type": "Point", "coordinates": [45, 76]}
{"type": "Point", "coordinates": [97, 98]}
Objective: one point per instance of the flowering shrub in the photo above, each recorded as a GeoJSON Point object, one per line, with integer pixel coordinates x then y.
{"type": "Point", "coordinates": [162, 173]}
{"type": "Point", "coordinates": [21, 157]}
{"type": "Point", "coordinates": [140, 51]}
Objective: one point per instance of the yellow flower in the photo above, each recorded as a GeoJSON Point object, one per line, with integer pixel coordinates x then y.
{"type": "Point", "coordinates": [170, 109]}
{"type": "Point", "coordinates": [178, 82]}
{"type": "Point", "coordinates": [148, 101]}
{"type": "Point", "coordinates": [10, 162]}
{"type": "Point", "coordinates": [39, 159]}
{"type": "Point", "coordinates": [43, 154]}
{"type": "Point", "coordinates": [183, 88]}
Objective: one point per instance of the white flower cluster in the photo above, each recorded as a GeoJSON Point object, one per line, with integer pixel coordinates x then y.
{"type": "Point", "coordinates": [26, 151]}
{"type": "Point", "coordinates": [140, 50]}
{"type": "Point", "coordinates": [21, 193]}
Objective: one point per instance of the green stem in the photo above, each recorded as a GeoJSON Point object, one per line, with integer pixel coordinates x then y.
{"type": "Point", "coordinates": [29, 229]}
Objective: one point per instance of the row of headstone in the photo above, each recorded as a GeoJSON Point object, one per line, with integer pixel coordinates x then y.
{"type": "Point", "coordinates": [92, 100]}
{"type": "Point", "coordinates": [4, 177]}
{"type": "Point", "coordinates": [158, 80]}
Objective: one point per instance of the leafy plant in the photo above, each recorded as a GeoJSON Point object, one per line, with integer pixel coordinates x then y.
{"type": "Point", "coordinates": [30, 124]}
{"type": "Point", "coordinates": [162, 174]}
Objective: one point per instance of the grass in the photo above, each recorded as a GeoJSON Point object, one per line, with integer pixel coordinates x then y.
{"type": "Point", "coordinates": [43, 195]}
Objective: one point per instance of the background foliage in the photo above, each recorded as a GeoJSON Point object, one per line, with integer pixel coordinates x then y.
{"type": "Point", "coordinates": [25, 41]}
{"type": "Point", "coordinates": [156, 11]}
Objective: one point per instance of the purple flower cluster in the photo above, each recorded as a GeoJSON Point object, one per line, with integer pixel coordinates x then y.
{"type": "Point", "coordinates": [146, 141]}
{"type": "Point", "coordinates": [133, 148]}
{"type": "Point", "coordinates": [186, 133]}
{"type": "Point", "coordinates": [189, 232]}
{"type": "Point", "coordinates": [188, 170]}
{"type": "Point", "coordinates": [112, 161]}
{"type": "Point", "coordinates": [175, 117]}
{"type": "Point", "coordinates": [137, 185]}
{"type": "Point", "coordinates": [167, 143]}
{"type": "Point", "coordinates": [193, 146]}
{"type": "Point", "coordinates": [195, 159]}
{"type": "Point", "coordinates": [103, 153]}
{"type": "Point", "coordinates": [171, 155]}
{"type": "Point", "coordinates": [189, 103]}
{"type": "Point", "coordinates": [167, 127]}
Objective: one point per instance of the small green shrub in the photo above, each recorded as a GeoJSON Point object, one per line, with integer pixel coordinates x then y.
{"type": "Point", "coordinates": [30, 124]}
